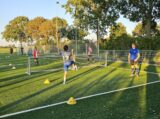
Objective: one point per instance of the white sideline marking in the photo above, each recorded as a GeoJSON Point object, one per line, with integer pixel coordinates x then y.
{"type": "Point", "coordinates": [81, 98]}
{"type": "Point", "coordinates": [47, 70]}
{"type": "Point", "coordinates": [138, 63]}
{"type": "Point", "coordinates": [140, 70]}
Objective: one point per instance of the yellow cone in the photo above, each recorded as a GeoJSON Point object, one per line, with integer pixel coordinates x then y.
{"type": "Point", "coordinates": [71, 101]}
{"type": "Point", "coordinates": [46, 82]}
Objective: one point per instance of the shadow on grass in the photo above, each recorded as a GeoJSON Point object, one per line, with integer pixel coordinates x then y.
{"type": "Point", "coordinates": [152, 95]}
{"type": "Point", "coordinates": [13, 105]}
{"type": "Point", "coordinates": [34, 75]}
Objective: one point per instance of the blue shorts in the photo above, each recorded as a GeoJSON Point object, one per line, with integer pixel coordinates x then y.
{"type": "Point", "coordinates": [68, 64]}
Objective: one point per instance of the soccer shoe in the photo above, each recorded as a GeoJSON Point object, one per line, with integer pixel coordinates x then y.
{"type": "Point", "coordinates": [76, 68]}
{"type": "Point", "coordinates": [64, 82]}
{"type": "Point", "coordinates": [131, 75]}
{"type": "Point", "coordinates": [137, 75]}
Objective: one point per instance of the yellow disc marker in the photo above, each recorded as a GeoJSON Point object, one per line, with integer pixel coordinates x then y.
{"type": "Point", "coordinates": [46, 82]}
{"type": "Point", "coordinates": [71, 101]}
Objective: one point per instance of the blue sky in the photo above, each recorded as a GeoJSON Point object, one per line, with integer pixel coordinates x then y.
{"type": "Point", "coordinates": [9, 9]}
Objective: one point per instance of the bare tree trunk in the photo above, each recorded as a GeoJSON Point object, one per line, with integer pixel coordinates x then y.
{"type": "Point", "coordinates": [149, 20]}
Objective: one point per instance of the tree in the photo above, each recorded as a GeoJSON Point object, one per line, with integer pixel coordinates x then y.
{"type": "Point", "coordinates": [46, 30]}
{"type": "Point", "coordinates": [33, 27]}
{"type": "Point", "coordinates": [96, 15]}
{"type": "Point", "coordinates": [72, 33]}
{"type": "Point", "coordinates": [117, 30]}
{"type": "Point", "coordinates": [51, 28]}
{"type": "Point", "coordinates": [61, 23]}
{"type": "Point", "coordinates": [146, 11]}
{"type": "Point", "coordinates": [138, 30]}
{"type": "Point", "coordinates": [16, 29]}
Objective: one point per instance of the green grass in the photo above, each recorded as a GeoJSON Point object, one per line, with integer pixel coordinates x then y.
{"type": "Point", "coordinates": [5, 49]}
{"type": "Point", "coordinates": [19, 91]}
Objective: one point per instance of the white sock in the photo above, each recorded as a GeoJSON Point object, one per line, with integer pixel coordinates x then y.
{"type": "Point", "coordinates": [64, 81]}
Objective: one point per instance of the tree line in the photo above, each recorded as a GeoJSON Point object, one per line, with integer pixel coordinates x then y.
{"type": "Point", "coordinates": [40, 30]}
{"type": "Point", "coordinates": [96, 16]}
{"type": "Point", "coordinates": [99, 15]}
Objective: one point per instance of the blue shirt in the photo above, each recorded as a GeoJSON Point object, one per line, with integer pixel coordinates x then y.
{"type": "Point", "coordinates": [133, 53]}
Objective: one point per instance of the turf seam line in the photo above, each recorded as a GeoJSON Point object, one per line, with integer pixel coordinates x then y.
{"type": "Point", "coordinates": [81, 98]}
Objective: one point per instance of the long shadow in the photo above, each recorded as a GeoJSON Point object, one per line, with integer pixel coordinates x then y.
{"type": "Point", "coordinates": [14, 104]}
{"type": "Point", "coordinates": [14, 80]}
{"type": "Point", "coordinates": [72, 90]}
{"type": "Point", "coordinates": [82, 74]}
{"type": "Point", "coordinates": [11, 78]}
{"type": "Point", "coordinates": [9, 68]}
{"type": "Point", "coordinates": [88, 89]}
{"type": "Point", "coordinates": [81, 88]}
{"type": "Point", "coordinates": [29, 77]}
{"type": "Point", "coordinates": [152, 95]}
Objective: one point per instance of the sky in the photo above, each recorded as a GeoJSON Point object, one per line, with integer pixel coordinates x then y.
{"type": "Point", "coordinates": [45, 8]}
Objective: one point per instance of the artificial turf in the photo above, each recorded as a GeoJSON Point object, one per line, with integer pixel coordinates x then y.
{"type": "Point", "coordinates": [19, 91]}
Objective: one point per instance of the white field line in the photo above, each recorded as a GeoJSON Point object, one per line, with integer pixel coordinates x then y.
{"type": "Point", "coordinates": [140, 70]}
{"type": "Point", "coordinates": [47, 70]}
{"type": "Point", "coordinates": [138, 63]}
{"type": "Point", "coordinates": [80, 98]}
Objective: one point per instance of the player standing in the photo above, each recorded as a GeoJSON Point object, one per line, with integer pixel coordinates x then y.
{"type": "Point", "coordinates": [35, 55]}
{"type": "Point", "coordinates": [89, 52]}
{"type": "Point", "coordinates": [11, 50]}
{"type": "Point", "coordinates": [68, 61]}
{"type": "Point", "coordinates": [133, 58]}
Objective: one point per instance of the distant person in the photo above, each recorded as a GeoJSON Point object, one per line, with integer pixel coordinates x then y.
{"type": "Point", "coordinates": [89, 53]}
{"type": "Point", "coordinates": [133, 59]}
{"type": "Point", "coordinates": [69, 61]}
{"type": "Point", "coordinates": [11, 50]}
{"type": "Point", "coordinates": [22, 50]}
{"type": "Point", "coordinates": [35, 56]}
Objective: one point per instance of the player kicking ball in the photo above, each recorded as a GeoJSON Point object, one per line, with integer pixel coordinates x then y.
{"type": "Point", "coordinates": [133, 58]}
{"type": "Point", "coordinates": [69, 61]}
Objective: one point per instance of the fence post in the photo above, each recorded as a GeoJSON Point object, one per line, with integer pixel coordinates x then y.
{"type": "Point", "coordinates": [29, 66]}
{"type": "Point", "coordinates": [106, 58]}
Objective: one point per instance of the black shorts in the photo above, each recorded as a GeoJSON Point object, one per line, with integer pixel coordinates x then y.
{"type": "Point", "coordinates": [132, 62]}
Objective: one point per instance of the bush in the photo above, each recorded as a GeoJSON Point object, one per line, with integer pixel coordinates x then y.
{"type": "Point", "coordinates": [124, 42]}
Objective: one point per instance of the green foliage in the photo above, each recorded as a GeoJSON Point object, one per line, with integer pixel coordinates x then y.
{"type": "Point", "coordinates": [16, 29]}
{"type": "Point", "coordinates": [89, 14]}
{"type": "Point", "coordinates": [117, 30]}
{"type": "Point", "coordinates": [72, 33]}
{"type": "Point", "coordinates": [146, 11]}
{"type": "Point", "coordinates": [124, 42]}
{"type": "Point", "coordinates": [38, 29]}
{"type": "Point", "coordinates": [33, 27]}
{"type": "Point", "coordinates": [138, 30]}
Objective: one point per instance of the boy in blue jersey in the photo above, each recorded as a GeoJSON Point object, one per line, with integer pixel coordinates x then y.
{"type": "Point", "coordinates": [133, 58]}
{"type": "Point", "coordinates": [68, 61]}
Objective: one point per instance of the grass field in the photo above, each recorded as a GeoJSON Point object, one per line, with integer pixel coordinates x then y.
{"type": "Point", "coordinates": [5, 49]}
{"type": "Point", "coordinates": [19, 91]}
